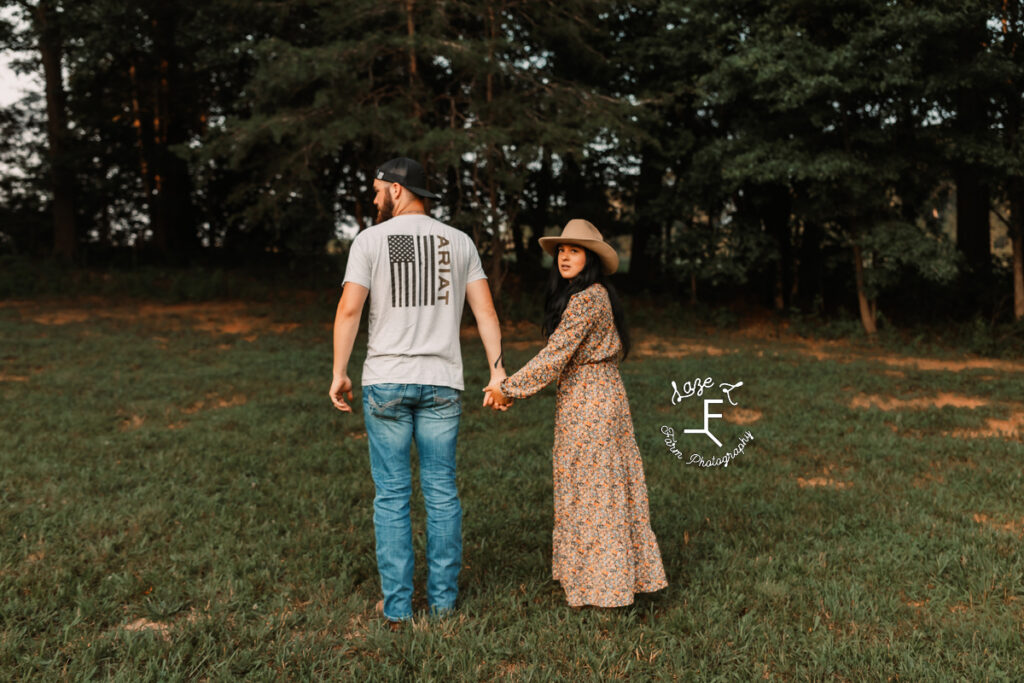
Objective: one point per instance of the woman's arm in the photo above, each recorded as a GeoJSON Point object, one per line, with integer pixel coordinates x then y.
{"type": "Point", "coordinates": [548, 364]}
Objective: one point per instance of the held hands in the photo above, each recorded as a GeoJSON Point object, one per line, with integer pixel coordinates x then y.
{"type": "Point", "coordinates": [494, 398]}
{"type": "Point", "coordinates": [339, 386]}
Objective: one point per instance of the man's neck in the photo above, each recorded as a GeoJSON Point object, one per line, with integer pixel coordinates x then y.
{"type": "Point", "coordinates": [411, 209]}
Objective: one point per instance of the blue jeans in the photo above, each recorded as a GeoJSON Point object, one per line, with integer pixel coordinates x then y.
{"type": "Point", "coordinates": [395, 414]}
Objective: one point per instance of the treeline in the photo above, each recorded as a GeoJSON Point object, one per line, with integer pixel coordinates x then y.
{"type": "Point", "coordinates": [802, 153]}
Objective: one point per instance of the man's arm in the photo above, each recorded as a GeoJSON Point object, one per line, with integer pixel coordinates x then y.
{"type": "Point", "coordinates": [346, 326]}
{"type": "Point", "coordinates": [478, 294]}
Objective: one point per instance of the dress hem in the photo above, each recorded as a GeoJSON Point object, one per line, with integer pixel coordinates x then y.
{"type": "Point", "coordinates": [613, 602]}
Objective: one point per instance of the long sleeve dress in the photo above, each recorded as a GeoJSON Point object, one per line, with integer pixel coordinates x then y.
{"type": "Point", "coordinates": [604, 548]}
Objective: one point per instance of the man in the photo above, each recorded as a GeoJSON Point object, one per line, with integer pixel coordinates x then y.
{"type": "Point", "coordinates": [419, 272]}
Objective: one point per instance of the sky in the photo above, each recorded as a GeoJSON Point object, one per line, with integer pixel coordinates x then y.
{"type": "Point", "coordinates": [12, 86]}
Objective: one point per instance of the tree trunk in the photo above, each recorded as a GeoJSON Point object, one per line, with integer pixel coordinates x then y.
{"type": "Point", "coordinates": [642, 267]}
{"type": "Point", "coordinates": [518, 244]}
{"type": "Point", "coordinates": [174, 232]}
{"type": "Point", "coordinates": [867, 308]}
{"type": "Point", "coordinates": [497, 270]}
{"type": "Point", "coordinates": [497, 265]}
{"type": "Point", "coordinates": [1017, 240]}
{"type": "Point", "coordinates": [410, 29]}
{"type": "Point", "coordinates": [972, 196]}
{"type": "Point", "coordinates": [537, 216]}
{"type": "Point", "coordinates": [143, 138]}
{"type": "Point", "coordinates": [809, 269]}
{"type": "Point", "coordinates": [1018, 277]}
{"type": "Point", "coordinates": [1011, 130]}
{"type": "Point", "coordinates": [775, 211]}
{"type": "Point", "coordinates": [62, 179]}
{"type": "Point", "coordinates": [973, 234]}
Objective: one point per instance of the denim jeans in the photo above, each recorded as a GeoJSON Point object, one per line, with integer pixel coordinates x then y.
{"type": "Point", "coordinates": [396, 414]}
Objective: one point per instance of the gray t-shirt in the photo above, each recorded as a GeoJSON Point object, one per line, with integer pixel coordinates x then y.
{"type": "Point", "coordinates": [416, 269]}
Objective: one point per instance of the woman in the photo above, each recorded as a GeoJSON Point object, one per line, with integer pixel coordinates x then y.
{"type": "Point", "coordinates": [604, 548]}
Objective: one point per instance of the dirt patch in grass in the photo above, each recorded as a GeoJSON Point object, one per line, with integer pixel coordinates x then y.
{"type": "Point", "coordinates": [951, 365]}
{"type": "Point", "coordinates": [827, 482]}
{"type": "Point", "coordinates": [131, 423]}
{"type": "Point", "coordinates": [139, 625]}
{"type": "Point", "coordinates": [742, 416]}
{"type": "Point", "coordinates": [510, 668]}
{"type": "Point", "coordinates": [1011, 427]}
{"type": "Point", "coordinates": [17, 372]}
{"type": "Point", "coordinates": [842, 351]}
{"type": "Point", "coordinates": [777, 336]}
{"type": "Point", "coordinates": [61, 317]}
{"type": "Point", "coordinates": [763, 325]}
{"type": "Point", "coordinates": [892, 403]}
{"type": "Point", "coordinates": [826, 479]}
{"type": "Point", "coordinates": [833, 351]}
{"type": "Point", "coordinates": [1015, 527]}
{"type": "Point", "coordinates": [928, 479]}
{"type": "Point", "coordinates": [161, 628]}
{"type": "Point", "coordinates": [215, 402]}
{"type": "Point", "coordinates": [653, 346]}
{"type": "Point", "coordinates": [213, 317]}
{"type": "Point", "coordinates": [12, 378]}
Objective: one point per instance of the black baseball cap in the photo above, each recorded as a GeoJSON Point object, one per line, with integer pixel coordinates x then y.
{"type": "Point", "coordinates": [406, 173]}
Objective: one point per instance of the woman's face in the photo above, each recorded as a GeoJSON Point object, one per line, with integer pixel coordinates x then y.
{"type": "Point", "coordinates": [571, 259]}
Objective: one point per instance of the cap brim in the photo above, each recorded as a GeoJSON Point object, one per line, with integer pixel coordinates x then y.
{"type": "Point", "coordinates": [420, 192]}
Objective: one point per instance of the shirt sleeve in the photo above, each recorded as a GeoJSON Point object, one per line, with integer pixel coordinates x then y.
{"type": "Point", "coordinates": [359, 269]}
{"type": "Point", "coordinates": [548, 364]}
{"type": "Point", "coordinates": [475, 269]}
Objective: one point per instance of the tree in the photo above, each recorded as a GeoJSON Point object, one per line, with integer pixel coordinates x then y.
{"type": "Point", "coordinates": [480, 91]}
{"type": "Point", "coordinates": [45, 25]}
{"type": "Point", "coordinates": [25, 216]}
{"type": "Point", "coordinates": [146, 79]}
{"type": "Point", "coordinates": [813, 99]}
{"type": "Point", "coordinates": [1008, 42]}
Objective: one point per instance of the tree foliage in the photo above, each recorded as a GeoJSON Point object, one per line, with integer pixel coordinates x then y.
{"type": "Point", "coordinates": [806, 153]}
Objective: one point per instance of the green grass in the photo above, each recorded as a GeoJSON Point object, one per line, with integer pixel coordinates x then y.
{"type": "Point", "coordinates": [203, 483]}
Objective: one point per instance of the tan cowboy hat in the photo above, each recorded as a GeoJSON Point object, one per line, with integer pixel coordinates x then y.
{"type": "Point", "coordinates": [584, 234]}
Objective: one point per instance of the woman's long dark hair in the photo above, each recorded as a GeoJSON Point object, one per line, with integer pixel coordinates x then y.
{"type": "Point", "coordinates": [560, 289]}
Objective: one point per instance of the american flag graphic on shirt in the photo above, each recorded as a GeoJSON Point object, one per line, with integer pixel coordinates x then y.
{"type": "Point", "coordinates": [412, 270]}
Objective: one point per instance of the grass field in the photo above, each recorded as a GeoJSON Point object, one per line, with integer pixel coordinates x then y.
{"type": "Point", "coordinates": [181, 501]}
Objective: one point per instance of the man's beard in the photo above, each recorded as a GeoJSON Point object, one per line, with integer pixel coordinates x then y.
{"type": "Point", "coordinates": [386, 210]}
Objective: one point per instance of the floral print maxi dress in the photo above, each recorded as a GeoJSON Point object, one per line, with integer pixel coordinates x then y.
{"type": "Point", "coordinates": [604, 548]}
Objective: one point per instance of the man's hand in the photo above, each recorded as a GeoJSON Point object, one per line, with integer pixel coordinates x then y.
{"type": "Point", "coordinates": [495, 399]}
{"type": "Point", "coordinates": [346, 325]}
{"type": "Point", "coordinates": [339, 386]}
